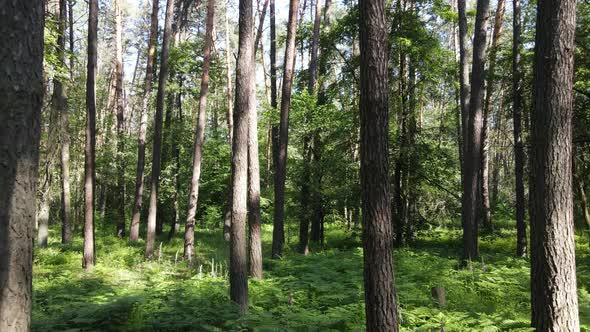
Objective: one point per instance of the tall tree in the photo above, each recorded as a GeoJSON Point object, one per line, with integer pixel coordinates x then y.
{"type": "Point", "coordinates": [147, 91]}
{"type": "Point", "coordinates": [278, 234]}
{"type": "Point", "coordinates": [230, 120]}
{"type": "Point", "coordinates": [274, 130]}
{"type": "Point", "coordinates": [521, 240]}
{"type": "Point", "coordinates": [473, 144]}
{"type": "Point", "coordinates": [554, 298]}
{"type": "Point", "coordinates": [238, 272]}
{"type": "Point", "coordinates": [157, 149]}
{"type": "Point", "coordinates": [21, 87]}
{"type": "Point", "coordinates": [120, 106]}
{"type": "Point", "coordinates": [90, 144]}
{"type": "Point", "coordinates": [380, 298]}
{"type": "Point", "coordinates": [189, 234]}
{"type": "Point", "coordinates": [463, 82]}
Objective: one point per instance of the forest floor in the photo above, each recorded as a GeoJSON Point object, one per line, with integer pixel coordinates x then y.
{"type": "Point", "coordinates": [320, 292]}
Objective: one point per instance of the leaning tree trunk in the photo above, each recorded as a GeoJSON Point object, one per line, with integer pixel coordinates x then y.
{"type": "Point", "coordinates": [380, 298]}
{"type": "Point", "coordinates": [554, 299]}
{"type": "Point", "coordinates": [120, 106]}
{"type": "Point", "coordinates": [189, 233]}
{"type": "Point", "coordinates": [21, 88]}
{"type": "Point", "coordinates": [90, 144]}
{"type": "Point", "coordinates": [147, 91]}
{"type": "Point", "coordinates": [245, 102]}
{"type": "Point", "coordinates": [278, 234]}
{"type": "Point", "coordinates": [521, 240]}
{"type": "Point", "coordinates": [157, 149]}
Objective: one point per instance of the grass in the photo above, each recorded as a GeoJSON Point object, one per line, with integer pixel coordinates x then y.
{"type": "Point", "coordinates": [320, 292]}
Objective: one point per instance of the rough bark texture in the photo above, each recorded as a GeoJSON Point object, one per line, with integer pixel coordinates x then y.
{"type": "Point", "coordinates": [554, 298]}
{"type": "Point", "coordinates": [521, 239]}
{"type": "Point", "coordinates": [189, 233]}
{"type": "Point", "coordinates": [278, 234]}
{"type": "Point", "coordinates": [120, 106]}
{"type": "Point", "coordinates": [238, 273]}
{"type": "Point", "coordinates": [380, 298]}
{"type": "Point", "coordinates": [147, 92]}
{"type": "Point", "coordinates": [21, 88]}
{"type": "Point", "coordinates": [463, 76]}
{"type": "Point", "coordinates": [473, 144]}
{"type": "Point", "coordinates": [157, 149]}
{"type": "Point", "coordinates": [90, 143]}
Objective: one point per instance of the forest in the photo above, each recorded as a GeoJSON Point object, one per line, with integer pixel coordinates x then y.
{"type": "Point", "coordinates": [295, 165]}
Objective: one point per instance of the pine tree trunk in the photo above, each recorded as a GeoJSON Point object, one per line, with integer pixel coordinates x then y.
{"type": "Point", "coordinates": [229, 117]}
{"type": "Point", "coordinates": [380, 298]}
{"type": "Point", "coordinates": [120, 105]}
{"type": "Point", "coordinates": [554, 299]}
{"type": "Point", "coordinates": [278, 235]}
{"type": "Point", "coordinates": [463, 83]}
{"type": "Point", "coordinates": [189, 233]}
{"type": "Point", "coordinates": [157, 149]}
{"type": "Point", "coordinates": [71, 39]}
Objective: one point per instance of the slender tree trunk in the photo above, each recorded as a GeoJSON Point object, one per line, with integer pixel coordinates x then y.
{"type": "Point", "coordinates": [230, 119]}
{"type": "Point", "coordinates": [554, 299]}
{"type": "Point", "coordinates": [274, 130]}
{"type": "Point", "coordinates": [71, 39]}
{"type": "Point", "coordinates": [120, 105]}
{"type": "Point", "coordinates": [45, 203]}
{"type": "Point", "coordinates": [471, 186]}
{"type": "Point", "coordinates": [238, 274]}
{"type": "Point", "coordinates": [485, 165]}
{"type": "Point", "coordinates": [157, 149]}
{"type": "Point", "coordinates": [147, 91]}
{"type": "Point", "coordinates": [463, 82]}
{"type": "Point", "coordinates": [521, 239]}
{"type": "Point", "coordinates": [278, 236]}
{"type": "Point", "coordinates": [90, 145]}
{"type": "Point", "coordinates": [189, 233]}
{"type": "Point", "coordinates": [21, 88]}
{"type": "Point", "coordinates": [380, 298]}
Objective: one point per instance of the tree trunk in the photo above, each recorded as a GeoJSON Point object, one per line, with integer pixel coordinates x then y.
{"type": "Point", "coordinates": [21, 87]}
{"type": "Point", "coordinates": [157, 149]}
{"type": "Point", "coordinates": [278, 234]}
{"type": "Point", "coordinates": [380, 298]}
{"type": "Point", "coordinates": [521, 239]}
{"type": "Point", "coordinates": [189, 234]}
{"type": "Point", "coordinates": [463, 76]}
{"type": "Point", "coordinates": [45, 202]}
{"type": "Point", "coordinates": [71, 39]}
{"type": "Point", "coordinates": [238, 274]}
{"type": "Point", "coordinates": [90, 145]}
{"type": "Point", "coordinates": [471, 185]}
{"type": "Point", "coordinates": [485, 165]}
{"type": "Point", "coordinates": [274, 130]}
{"type": "Point", "coordinates": [147, 91]}
{"type": "Point", "coordinates": [230, 119]}
{"type": "Point", "coordinates": [120, 105]}
{"type": "Point", "coordinates": [554, 299]}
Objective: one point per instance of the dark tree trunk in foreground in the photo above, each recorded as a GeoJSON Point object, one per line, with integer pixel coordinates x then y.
{"type": "Point", "coordinates": [473, 144]}
{"type": "Point", "coordinates": [274, 129]}
{"type": "Point", "coordinates": [521, 239]}
{"type": "Point", "coordinates": [380, 299]}
{"type": "Point", "coordinates": [463, 79]}
{"type": "Point", "coordinates": [147, 92]}
{"type": "Point", "coordinates": [189, 233]}
{"type": "Point", "coordinates": [120, 106]}
{"type": "Point", "coordinates": [21, 88]}
{"type": "Point", "coordinates": [554, 299]}
{"type": "Point", "coordinates": [238, 271]}
{"type": "Point", "coordinates": [157, 149]}
{"type": "Point", "coordinates": [278, 234]}
{"type": "Point", "coordinates": [90, 144]}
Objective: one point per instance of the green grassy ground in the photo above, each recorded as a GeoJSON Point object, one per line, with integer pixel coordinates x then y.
{"type": "Point", "coordinates": [125, 293]}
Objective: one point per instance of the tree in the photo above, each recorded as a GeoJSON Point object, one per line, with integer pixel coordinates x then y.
{"type": "Point", "coordinates": [157, 149]}
{"type": "Point", "coordinates": [521, 240]}
{"type": "Point", "coordinates": [380, 298]}
{"type": "Point", "coordinates": [278, 234]}
{"type": "Point", "coordinates": [21, 87]}
{"type": "Point", "coordinates": [230, 120]}
{"type": "Point", "coordinates": [90, 143]}
{"type": "Point", "coordinates": [473, 144]}
{"type": "Point", "coordinates": [463, 83]}
{"type": "Point", "coordinates": [189, 234]}
{"type": "Point", "coordinates": [147, 91]}
{"type": "Point", "coordinates": [554, 299]}
{"type": "Point", "coordinates": [245, 102]}
{"type": "Point", "coordinates": [120, 106]}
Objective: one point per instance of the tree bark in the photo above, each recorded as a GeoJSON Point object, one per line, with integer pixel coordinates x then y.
{"type": "Point", "coordinates": [189, 234]}
{"type": "Point", "coordinates": [120, 105]}
{"type": "Point", "coordinates": [380, 298]}
{"type": "Point", "coordinates": [230, 119]}
{"type": "Point", "coordinates": [554, 299]}
{"type": "Point", "coordinates": [521, 239]}
{"type": "Point", "coordinates": [157, 149]}
{"type": "Point", "coordinates": [71, 39]}
{"type": "Point", "coordinates": [278, 235]}
{"type": "Point", "coordinates": [238, 274]}
{"type": "Point", "coordinates": [90, 144]}
{"type": "Point", "coordinates": [147, 91]}
{"type": "Point", "coordinates": [21, 88]}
